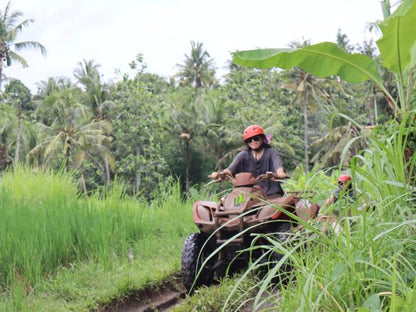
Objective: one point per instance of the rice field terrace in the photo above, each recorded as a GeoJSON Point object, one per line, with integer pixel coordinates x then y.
{"type": "Point", "coordinates": [62, 251]}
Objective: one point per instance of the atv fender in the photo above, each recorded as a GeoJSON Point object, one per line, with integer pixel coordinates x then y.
{"type": "Point", "coordinates": [306, 210]}
{"type": "Point", "coordinates": [270, 212]}
{"type": "Point", "coordinates": [203, 218]}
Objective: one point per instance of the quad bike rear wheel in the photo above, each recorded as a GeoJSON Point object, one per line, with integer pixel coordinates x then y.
{"type": "Point", "coordinates": [194, 254]}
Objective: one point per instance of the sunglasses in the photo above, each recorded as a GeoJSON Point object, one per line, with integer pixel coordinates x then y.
{"type": "Point", "coordinates": [255, 138]}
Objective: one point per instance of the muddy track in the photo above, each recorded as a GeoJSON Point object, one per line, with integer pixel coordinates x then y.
{"type": "Point", "coordinates": [161, 299]}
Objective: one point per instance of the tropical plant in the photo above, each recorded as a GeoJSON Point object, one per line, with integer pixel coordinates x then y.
{"type": "Point", "coordinates": [184, 112]}
{"type": "Point", "coordinates": [52, 85]}
{"type": "Point", "coordinates": [259, 97]}
{"type": "Point", "coordinates": [7, 139]}
{"type": "Point", "coordinates": [329, 150]}
{"type": "Point", "coordinates": [71, 135]}
{"type": "Point", "coordinates": [397, 48]}
{"type": "Point", "coordinates": [88, 75]}
{"type": "Point", "coordinates": [219, 135]}
{"type": "Point", "coordinates": [137, 131]}
{"type": "Point", "coordinates": [309, 91]}
{"type": "Point", "coordinates": [19, 95]}
{"type": "Point", "coordinates": [372, 252]}
{"type": "Point", "coordinates": [197, 70]}
{"type": "Point", "coordinates": [9, 29]}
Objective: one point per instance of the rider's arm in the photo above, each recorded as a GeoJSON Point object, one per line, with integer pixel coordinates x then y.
{"type": "Point", "coordinates": [280, 172]}
{"type": "Point", "coordinates": [330, 200]}
{"type": "Point", "coordinates": [227, 171]}
{"type": "Point", "coordinates": [237, 164]}
{"type": "Point", "coordinates": [277, 163]}
{"type": "Point", "coordinates": [333, 197]}
{"type": "Point", "coordinates": [216, 175]}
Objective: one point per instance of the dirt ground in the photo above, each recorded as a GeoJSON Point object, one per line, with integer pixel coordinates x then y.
{"type": "Point", "coordinates": [160, 299]}
{"type": "Point", "coordinates": [165, 297]}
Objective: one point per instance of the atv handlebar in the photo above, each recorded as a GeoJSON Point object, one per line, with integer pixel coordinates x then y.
{"type": "Point", "coordinates": [269, 175]}
{"type": "Point", "coordinates": [220, 176]}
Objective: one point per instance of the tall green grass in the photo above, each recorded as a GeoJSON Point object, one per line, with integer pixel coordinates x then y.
{"type": "Point", "coordinates": [50, 236]}
{"type": "Point", "coordinates": [46, 225]}
{"type": "Point", "coordinates": [370, 265]}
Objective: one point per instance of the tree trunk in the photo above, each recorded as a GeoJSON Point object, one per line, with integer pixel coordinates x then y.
{"type": "Point", "coordinates": [368, 107]}
{"type": "Point", "coordinates": [18, 132]}
{"type": "Point", "coordinates": [138, 178]}
{"type": "Point", "coordinates": [3, 157]}
{"type": "Point", "coordinates": [305, 134]}
{"type": "Point", "coordinates": [1, 70]}
{"type": "Point", "coordinates": [188, 165]}
{"type": "Point", "coordinates": [67, 153]}
{"type": "Point", "coordinates": [107, 169]}
{"type": "Point", "coordinates": [84, 186]}
{"type": "Point", "coordinates": [198, 83]}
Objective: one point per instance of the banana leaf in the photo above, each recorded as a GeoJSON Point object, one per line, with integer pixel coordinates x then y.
{"type": "Point", "coordinates": [398, 43]}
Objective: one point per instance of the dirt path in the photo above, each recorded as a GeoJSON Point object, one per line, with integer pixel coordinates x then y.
{"type": "Point", "coordinates": [160, 299]}
{"type": "Point", "coordinates": [166, 297]}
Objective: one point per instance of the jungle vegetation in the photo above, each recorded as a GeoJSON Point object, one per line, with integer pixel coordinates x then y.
{"type": "Point", "coordinates": [134, 133]}
{"type": "Point", "coordinates": [142, 127]}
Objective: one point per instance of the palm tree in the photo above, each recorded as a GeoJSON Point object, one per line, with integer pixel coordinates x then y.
{"type": "Point", "coordinates": [308, 90]}
{"type": "Point", "coordinates": [219, 133]}
{"type": "Point", "coordinates": [183, 123]}
{"type": "Point", "coordinates": [88, 76]}
{"type": "Point", "coordinates": [51, 85]}
{"type": "Point", "coordinates": [71, 136]}
{"type": "Point", "coordinates": [8, 33]}
{"type": "Point", "coordinates": [330, 150]}
{"type": "Point", "coordinates": [197, 69]}
{"type": "Point", "coordinates": [18, 94]}
{"type": "Point", "coordinates": [7, 121]}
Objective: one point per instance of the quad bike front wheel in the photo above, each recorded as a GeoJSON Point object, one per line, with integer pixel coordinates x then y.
{"type": "Point", "coordinates": [280, 235]}
{"type": "Point", "coordinates": [194, 253]}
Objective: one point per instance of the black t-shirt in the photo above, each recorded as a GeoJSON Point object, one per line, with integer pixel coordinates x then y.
{"type": "Point", "coordinates": [270, 161]}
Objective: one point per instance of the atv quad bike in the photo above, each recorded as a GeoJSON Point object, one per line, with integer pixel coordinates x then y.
{"type": "Point", "coordinates": [226, 227]}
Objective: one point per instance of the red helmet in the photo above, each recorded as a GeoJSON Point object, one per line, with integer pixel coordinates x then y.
{"type": "Point", "coordinates": [252, 131]}
{"type": "Point", "coordinates": [344, 178]}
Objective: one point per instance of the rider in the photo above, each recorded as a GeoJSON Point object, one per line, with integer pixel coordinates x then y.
{"type": "Point", "coordinates": [345, 191]}
{"type": "Point", "coordinates": [258, 158]}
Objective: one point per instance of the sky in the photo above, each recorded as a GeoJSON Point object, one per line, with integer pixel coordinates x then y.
{"type": "Point", "coordinates": [113, 32]}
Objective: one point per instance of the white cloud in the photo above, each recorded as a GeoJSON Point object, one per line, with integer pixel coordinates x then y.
{"type": "Point", "coordinates": [112, 33]}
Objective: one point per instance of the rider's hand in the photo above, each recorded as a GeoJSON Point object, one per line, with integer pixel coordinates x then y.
{"type": "Point", "coordinates": [281, 173]}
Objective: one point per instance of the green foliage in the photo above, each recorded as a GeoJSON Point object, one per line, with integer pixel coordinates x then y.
{"type": "Point", "coordinates": [83, 252]}
{"type": "Point", "coordinates": [10, 27]}
{"type": "Point", "coordinates": [15, 91]}
{"type": "Point", "coordinates": [133, 130]}
{"type": "Point", "coordinates": [129, 137]}
{"type": "Point", "coordinates": [197, 70]}
{"type": "Point", "coordinates": [366, 263]}
{"type": "Point", "coordinates": [350, 67]}
{"type": "Point", "coordinates": [326, 59]}
{"type": "Point", "coordinates": [398, 40]}
{"type": "Point", "coordinates": [47, 226]}
{"type": "Point", "coordinates": [212, 299]}
{"type": "Point", "coordinates": [257, 97]}
{"type": "Point", "coordinates": [386, 167]}
{"type": "Point", "coordinates": [138, 135]}
{"type": "Point", "coordinates": [68, 134]}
